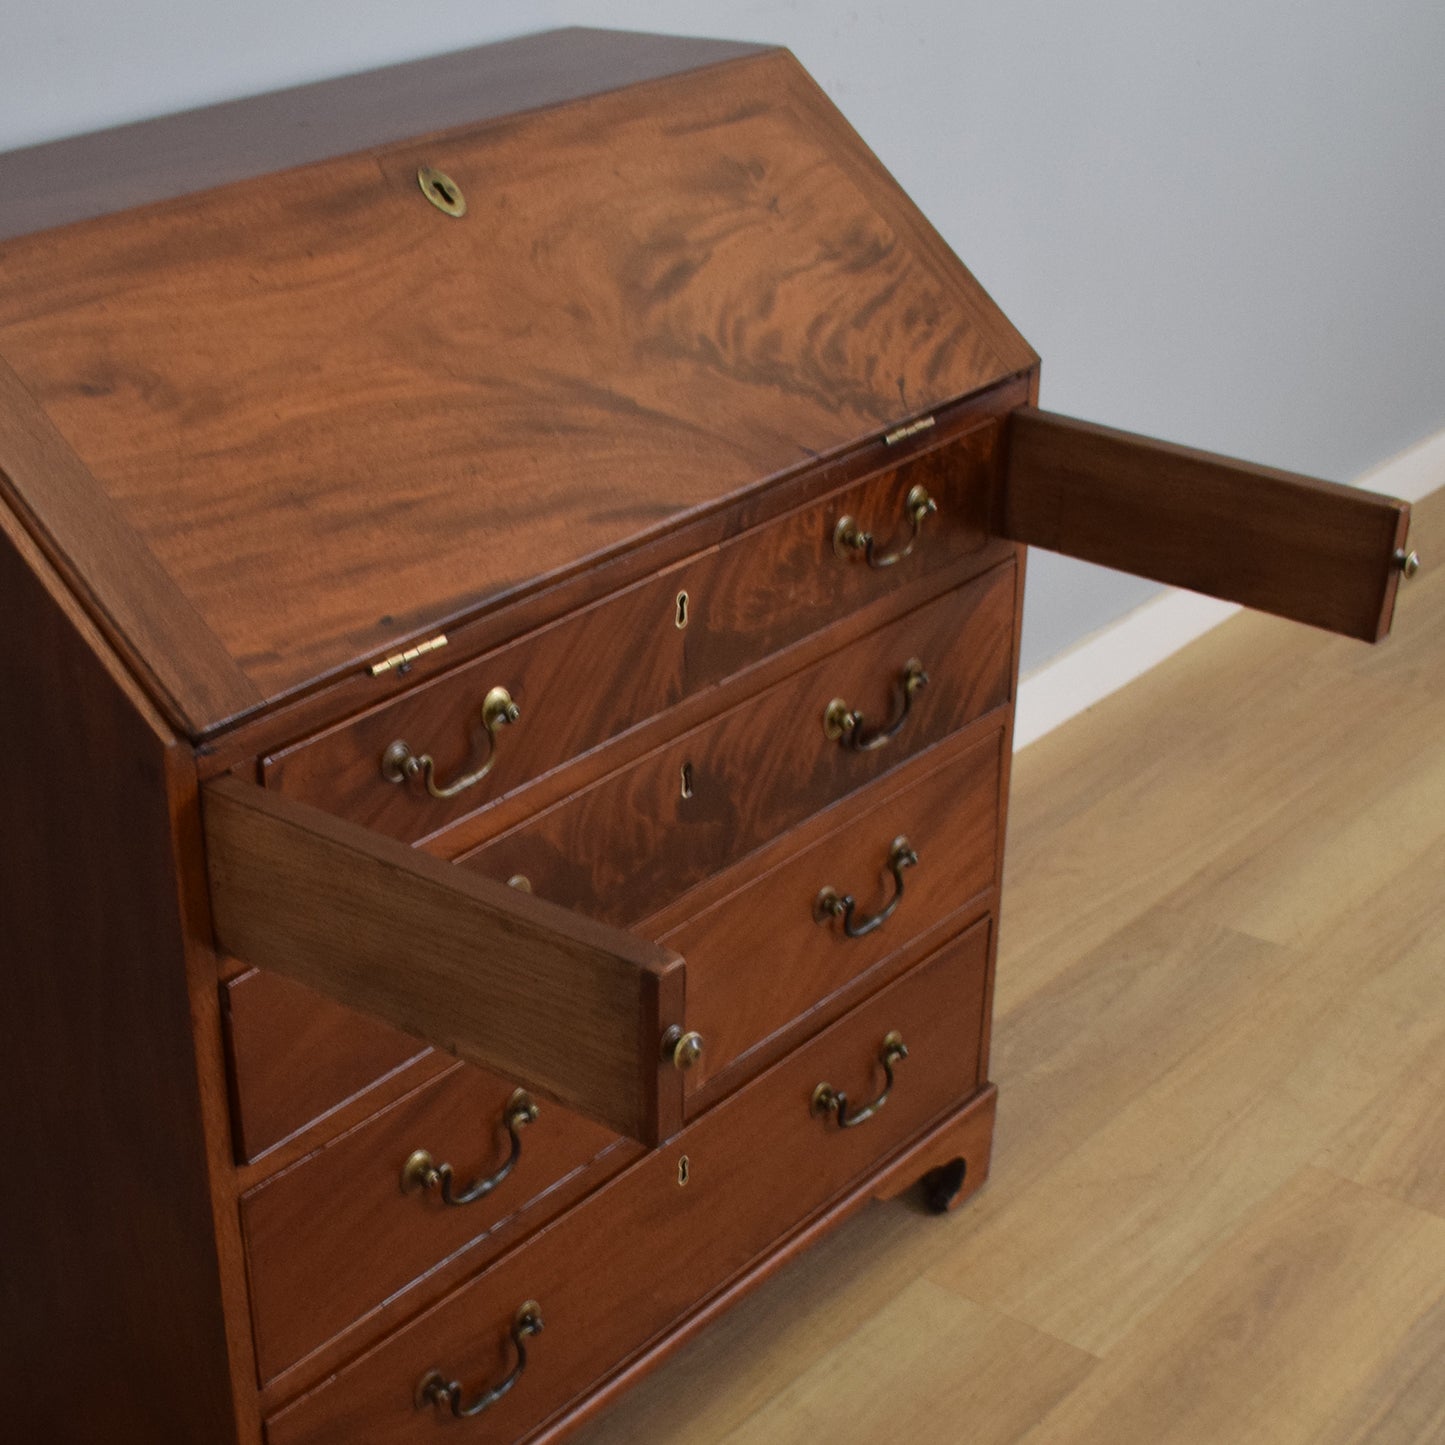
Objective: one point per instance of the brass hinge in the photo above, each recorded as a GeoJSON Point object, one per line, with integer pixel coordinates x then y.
{"type": "Point", "coordinates": [902, 433]}
{"type": "Point", "coordinates": [405, 659]}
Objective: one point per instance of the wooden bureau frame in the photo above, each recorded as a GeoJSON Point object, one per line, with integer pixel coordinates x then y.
{"type": "Point", "coordinates": [296, 454]}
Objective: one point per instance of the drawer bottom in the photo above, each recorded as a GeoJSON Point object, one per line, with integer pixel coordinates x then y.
{"type": "Point", "coordinates": [616, 1278]}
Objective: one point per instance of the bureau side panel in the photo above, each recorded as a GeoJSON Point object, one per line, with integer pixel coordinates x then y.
{"type": "Point", "coordinates": [1005, 782]}
{"type": "Point", "coordinates": [112, 1325]}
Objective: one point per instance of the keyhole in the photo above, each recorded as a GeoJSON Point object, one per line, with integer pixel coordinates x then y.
{"type": "Point", "coordinates": [681, 619]}
{"type": "Point", "coordinates": [682, 1170]}
{"type": "Point", "coordinates": [687, 780]}
{"type": "Point", "coordinates": [442, 191]}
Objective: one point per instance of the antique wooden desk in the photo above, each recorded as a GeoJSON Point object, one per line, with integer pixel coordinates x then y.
{"type": "Point", "coordinates": [511, 573]}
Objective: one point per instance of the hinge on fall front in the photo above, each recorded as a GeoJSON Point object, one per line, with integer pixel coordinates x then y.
{"type": "Point", "coordinates": [403, 660]}
{"type": "Point", "coordinates": [902, 433]}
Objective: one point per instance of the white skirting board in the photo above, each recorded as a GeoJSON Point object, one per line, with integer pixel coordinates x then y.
{"type": "Point", "coordinates": [1105, 660]}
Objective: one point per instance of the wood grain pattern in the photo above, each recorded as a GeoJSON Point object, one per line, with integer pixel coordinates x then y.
{"type": "Point", "coordinates": [763, 766]}
{"type": "Point", "coordinates": [1262, 1048]}
{"type": "Point", "coordinates": [345, 1115]}
{"type": "Point", "coordinates": [135, 602]}
{"type": "Point", "coordinates": [1397, 1145]}
{"type": "Point", "coordinates": [759, 592]}
{"type": "Point", "coordinates": [98, 1066]}
{"type": "Point", "coordinates": [738, 998]}
{"type": "Point", "coordinates": [759, 1165]}
{"type": "Point", "coordinates": [1264, 1372]}
{"type": "Point", "coordinates": [1232, 866]}
{"type": "Point", "coordinates": [322, 419]}
{"type": "Point", "coordinates": [819, 1301]}
{"type": "Point", "coordinates": [1192, 1183]}
{"type": "Point", "coordinates": [295, 1055]}
{"type": "Point", "coordinates": [566, 1006]}
{"type": "Point", "coordinates": [60, 182]}
{"type": "Point", "coordinates": [298, 1058]}
{"type": "Point", "coordinates": [660, 298]}
{"type": "Point", "coordinates": [1304, 549]}
{"type": "Point", "coordinates": [954, 1351]}
{"type": "Point", "coordinates": [747, 600]}
{"type": "Point", "coordinates": [331, 1241]}
{"type": "Point", "coordinates": [355, 692]}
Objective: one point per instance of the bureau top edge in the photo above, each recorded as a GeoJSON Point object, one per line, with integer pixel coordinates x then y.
{"type": "Point", "coordinates": [60, 182]}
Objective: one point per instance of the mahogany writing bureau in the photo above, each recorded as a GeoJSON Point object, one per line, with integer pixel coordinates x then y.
{"type": "Point", "coordinates": [511, 576]}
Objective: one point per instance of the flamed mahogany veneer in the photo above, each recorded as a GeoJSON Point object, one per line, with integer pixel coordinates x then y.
{"type": "Point", "coordinates": [511, 570]}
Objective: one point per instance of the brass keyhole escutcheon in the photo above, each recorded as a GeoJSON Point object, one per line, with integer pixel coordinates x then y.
{"type": "Point", "coordinates": [680, 620]}
{"type": "Point", "coordinates": [686, 780]}
{"type": "Point", "coordinates": [442, 191]}
{"type": "Point", "coordinates": [682, 1171]}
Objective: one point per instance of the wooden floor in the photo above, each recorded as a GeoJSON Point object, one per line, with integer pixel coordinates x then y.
{"type": "Point", "coordinates": [1217, 1206]}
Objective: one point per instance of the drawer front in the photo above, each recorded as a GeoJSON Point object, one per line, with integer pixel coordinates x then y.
{"type": "Point", "coordinates": [622, 848]}
{"type": "Point", "coordinates": [359, 1222]}
{"type": "Point", "coordinates": [792, 577]}
{"type": "Point", "coordinates": [295, 1055]}
{"type": "Point", "coordinates": [767, 956]}
{"type": "Point", "coordinates": [625, 846]}
{"type": "Point", "coordinates": [632, 1258]}
{"type": "Point", "coordinates": [607, 668]}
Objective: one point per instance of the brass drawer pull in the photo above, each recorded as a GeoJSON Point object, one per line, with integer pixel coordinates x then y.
{"type": "Point", "coordinates": [435, 1389]}
{"type": "Point", "coordinates": [682, 1049]}
{"type": "Point", "coordinates": [828, 1100]}
{"type": "Point", "coordinates": [841, 724]}
{"type": "Point", "coordinates": [850, 542]}
{"type": "Point", "coordinates": [398, 762]}
{"type": "Point", "coordinates": [422, 1172]}
{"type": "Point", "coordinates": [831, 904]}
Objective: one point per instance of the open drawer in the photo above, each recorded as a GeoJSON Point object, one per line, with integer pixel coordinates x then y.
{"type": "Point", "coordinates": [571, 1008]}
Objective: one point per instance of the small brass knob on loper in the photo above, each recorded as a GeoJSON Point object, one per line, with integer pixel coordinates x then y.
{"type": "Point", "coordinates": [684, 1049]}
{"type": "Point", "coordinates": [1407, 562]}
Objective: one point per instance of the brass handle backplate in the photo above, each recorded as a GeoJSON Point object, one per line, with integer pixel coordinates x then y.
{"type": "Point", "coordinates": [399, 762]}
{"type": "Point", "coordinates": [850, 541]}
{"type": "Point", "coordinates": [831, 904]}
{"type": "Point", "coordinates": [421, 1172]}
{"type": "Point", "coordinates": [844, 725]}
{"type": "Point", "coordinates": [828, 1100]}
{"type": "Point", "coordinates": [435, 1389]}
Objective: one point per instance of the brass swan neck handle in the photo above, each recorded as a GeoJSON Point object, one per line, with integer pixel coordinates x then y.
{"type": "Point", "coordinates": [399, 763]}
{"type": "Point", "coordinates": [831, 904]}
{"type": "Point", "coordinates": [421, 1171]}
{"type": "Point", "coordinates": [850, 541]}
{"type": "Point", "coordinates": [435, 1389]}
{"type": "Point", "coordinates": [828, 1100]}
{"type": "Point", "coordinates": [844, 725]}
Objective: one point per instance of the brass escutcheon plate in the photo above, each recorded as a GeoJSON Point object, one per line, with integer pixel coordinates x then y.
{"type": "Point", "coordinates": [442, 191]}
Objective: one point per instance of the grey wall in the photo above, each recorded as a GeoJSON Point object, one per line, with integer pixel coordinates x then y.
{"type": "Point", "coordinates": [1219, 222]}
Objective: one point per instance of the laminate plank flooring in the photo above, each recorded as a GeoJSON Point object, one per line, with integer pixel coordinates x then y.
{"type": "Point", "coordinates": [1217, 1206]}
